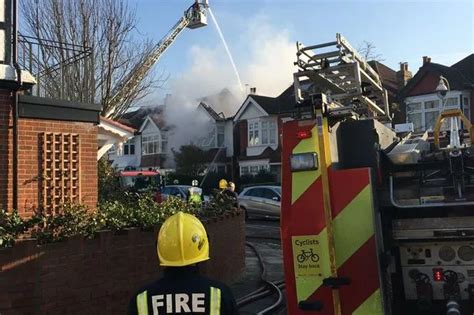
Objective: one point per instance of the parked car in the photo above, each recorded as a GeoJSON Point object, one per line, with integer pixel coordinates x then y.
{"type": "Point", "coordinates": [180, 191]}
{"type": "Point", "coordinates": [261, 201]}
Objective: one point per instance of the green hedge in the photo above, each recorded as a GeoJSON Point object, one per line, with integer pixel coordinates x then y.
{"type": "Point", "coordinates": [130, 211]}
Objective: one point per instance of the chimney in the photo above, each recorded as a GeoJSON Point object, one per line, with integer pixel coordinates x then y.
{"type": "Point", "coordinates": [426, 60]}
{"type": "Point", "coordinates": [253, 90]}
{"type": "Point", "coordinates": [403, 75]}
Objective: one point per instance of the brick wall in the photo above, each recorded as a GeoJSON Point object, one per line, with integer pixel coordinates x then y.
{"type": "Point", "coordinates": [29, 131]}
{"type": "Point", "coordinates": [98, 276]}
{"type": "Point", "coordinates": [5, 149]}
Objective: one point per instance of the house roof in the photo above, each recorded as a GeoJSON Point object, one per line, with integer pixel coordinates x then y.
{"type": "Point", "coordinates": [387, 75]}
{"type": "Point", "coordinates": [466, 67]}
{"type": "Point", "coordinates": [118, 125]}
{"type": "Point", "coordinates": [459, 76]}
{"type": "Point", "coordinates": [136, 118]}
{"type": "Point", "coordinates": [212, 112]}
{"type": "Point", "coordinates": [221, 105]}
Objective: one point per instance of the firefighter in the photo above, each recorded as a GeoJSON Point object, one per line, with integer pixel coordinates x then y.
{"type": "Point", "coordinates": [230, 192]}
{"type": "Point", "coordinates": [223, 184]}
{"type": "Point", "coordinates": [183, 243]}
{"type": "Point", "coordinates": [195, 193]}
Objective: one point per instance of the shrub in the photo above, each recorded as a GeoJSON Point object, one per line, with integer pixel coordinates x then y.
{"type": "Point", "coordinates": [11, 227]}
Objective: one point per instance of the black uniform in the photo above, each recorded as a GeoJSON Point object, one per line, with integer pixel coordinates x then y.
{"type": "Point", "coordinates": [183, 290]}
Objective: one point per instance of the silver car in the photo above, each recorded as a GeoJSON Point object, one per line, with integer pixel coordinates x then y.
{"type": "Point", "coordinates": [261, 201]}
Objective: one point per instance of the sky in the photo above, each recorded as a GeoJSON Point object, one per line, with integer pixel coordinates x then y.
{"type": "Point", "coordinates": [261, 36]}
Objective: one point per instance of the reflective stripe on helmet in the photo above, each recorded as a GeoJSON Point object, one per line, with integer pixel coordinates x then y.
{"type": "Point", "coordinates": [142, 303]}
{"type": "Point", "coordinates": [215, 301]}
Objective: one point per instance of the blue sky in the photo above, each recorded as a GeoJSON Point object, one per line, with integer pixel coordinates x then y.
{"type": "Point", "coordinates": [257, 32]}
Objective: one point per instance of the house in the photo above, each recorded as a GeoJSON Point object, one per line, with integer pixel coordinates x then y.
{"type": "Point", "coordinates": [149, 147]}
{"type": "Point", "coordinates": [258, 124]}
{"type": "Point", "coordinates": [217, 112]}
{"type": "Point", "coordinates": [420, 102]}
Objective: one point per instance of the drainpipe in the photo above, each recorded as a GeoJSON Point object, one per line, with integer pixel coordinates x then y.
{"type": "Point", "coordinates": [14, 58]}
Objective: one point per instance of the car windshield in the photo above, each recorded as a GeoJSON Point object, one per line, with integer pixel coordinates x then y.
{"type": "Point", "coordinates": [278, 190]}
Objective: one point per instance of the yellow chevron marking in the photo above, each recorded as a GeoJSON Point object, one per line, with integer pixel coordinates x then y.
{"type": "Point", "coordinates": [353, 226]}
{"type": "Point", "coordinates": [371, 306]}
{"type": "Point", "coordinates": [307, 280]}
{"type": "Point", "coordinates": [302, 180]}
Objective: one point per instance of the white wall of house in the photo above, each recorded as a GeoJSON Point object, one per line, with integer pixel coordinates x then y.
{"type": "Point", "coordinates": [153, 140]}
{"type": "Point", "coordinates": [229, 137]}
{"type": "Point", "coordinates": [127, 155]}
{"type": "Point", "coordinates": [423, 110]}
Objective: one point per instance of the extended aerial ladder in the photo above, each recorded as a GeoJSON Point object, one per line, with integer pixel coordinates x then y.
{"type": "Point", "coordinates": [390, 218]}
{"type": "Point", "coordinates": [194, 17]}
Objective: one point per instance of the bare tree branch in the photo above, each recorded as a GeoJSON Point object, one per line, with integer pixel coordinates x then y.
{"type": "Point", "coordinates": [95, 47]}
{"type": "Point", "coordinates": [368, 51]}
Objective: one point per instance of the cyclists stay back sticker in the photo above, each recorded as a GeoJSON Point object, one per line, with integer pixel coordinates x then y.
{"type": "Point", "coordinates": [307, 255]}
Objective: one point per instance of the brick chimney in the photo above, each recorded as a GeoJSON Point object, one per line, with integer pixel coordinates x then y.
{"type": "Point", "coordinates": [403, 75]}
{"type": "Point", "coordinates": [426, 60]}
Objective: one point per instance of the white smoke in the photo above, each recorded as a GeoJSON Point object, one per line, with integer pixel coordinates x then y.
{"type": "Point", "coordinates": [265, 63]}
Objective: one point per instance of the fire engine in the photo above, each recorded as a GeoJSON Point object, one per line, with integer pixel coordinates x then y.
{"type": "Point", "coordinates": [373, 221]}
{"type": "Point", "coordinates": [142, 181]}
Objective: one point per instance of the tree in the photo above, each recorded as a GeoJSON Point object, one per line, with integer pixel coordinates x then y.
{"type": "Point", "coordinates": [368, 51]}
{"type": "Point", "coordinates": [190, 160]}
{"type": "Point", "coordinates": [85, 49]}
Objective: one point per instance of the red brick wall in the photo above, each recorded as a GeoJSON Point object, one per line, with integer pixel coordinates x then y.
{"type": "Point", "coordinates": [5, 149]}
{"type": "Point", "coordinates": [29, 131]}
{"type": "Point", "coordinates": [99, 276]}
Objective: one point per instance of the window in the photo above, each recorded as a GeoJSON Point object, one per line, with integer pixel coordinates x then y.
{"type": "Point", "coordinates": [244, 170]}
{"type": "Point", "coordinates": [264, 128]}
{"type": "Point", "coordinates": [415, 118]}
{"type": "Point", "coordinates": [270, 194]}
{"type": "Point", "coordinates": [220, 136]}
{"type": "Point", "coordinates": [431, 104]}
{"type": "Point", "coordinates": [452, 102]}
{"type": "Point", "coordinates": [129, 147]}
{"type": "Point", "coordinates": [164, 142]}
{"type": "Point", "coordinates": [151, 144]}
{"type": "Point", "coordinates": [254, 169]}
{"type": "Point", "coordinates": [467, 108]}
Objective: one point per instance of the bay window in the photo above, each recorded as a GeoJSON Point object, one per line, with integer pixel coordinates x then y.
{"type": "Point", "coordinates": [151, 144]}
{"type": "Point", "coordinates": [262, 132]}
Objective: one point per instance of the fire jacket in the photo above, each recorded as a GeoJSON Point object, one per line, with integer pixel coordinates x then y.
{"type": "Point", "coordinates": [182, 290]}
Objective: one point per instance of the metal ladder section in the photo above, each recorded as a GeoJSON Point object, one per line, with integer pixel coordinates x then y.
{"type": "Point", "coordinates": [337, 69]}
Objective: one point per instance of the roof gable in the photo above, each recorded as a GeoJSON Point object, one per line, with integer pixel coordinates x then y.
{"type": "Point", "coordinates": [245, 111]}
{"type": "Point", "coordinates": [148, 122]}
{"type": "Point", "coordinates": [456, 79]}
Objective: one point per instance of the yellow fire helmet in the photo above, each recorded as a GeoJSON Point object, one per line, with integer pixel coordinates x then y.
{"type": "Point", "coordinates": [182, 241]}
{"type": "Point", "coordinates": [222, 184]}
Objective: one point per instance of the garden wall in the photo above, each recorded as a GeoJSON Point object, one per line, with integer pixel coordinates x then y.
{"type": "Point", "coordinates": [98, 276]}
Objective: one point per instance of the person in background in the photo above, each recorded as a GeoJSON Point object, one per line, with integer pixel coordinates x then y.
{"type": "Point", "coordinates": [182, 245]}
{"type": "Point", "coordinates": [195, 193]}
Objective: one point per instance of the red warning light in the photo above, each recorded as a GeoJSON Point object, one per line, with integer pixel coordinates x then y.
{"type": "Point", "coordinates": [304, 134]}
{"type": "Point", "coordinates": [438, 274]}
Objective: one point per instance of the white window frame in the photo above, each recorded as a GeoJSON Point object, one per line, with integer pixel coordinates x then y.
{"type": "Point", "coordinates": [155, 139]}
{"type": "Point", "coordinates": [129, 144]}
{"type": "Point", "coordinates": [262, 132]}
{"type": "Point", "coordinates": [220, 130]}
{"type": "Point", "coordinates": [423, 111]}
{"type": "Point", "coordinates": [254, 169]}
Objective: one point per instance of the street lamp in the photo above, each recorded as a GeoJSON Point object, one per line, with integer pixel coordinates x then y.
{"type": "Point", "coordinates": [442, 89]}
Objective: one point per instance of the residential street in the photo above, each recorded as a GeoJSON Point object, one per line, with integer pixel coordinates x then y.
{"type": "Point", "coordinates": [257, 230]}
